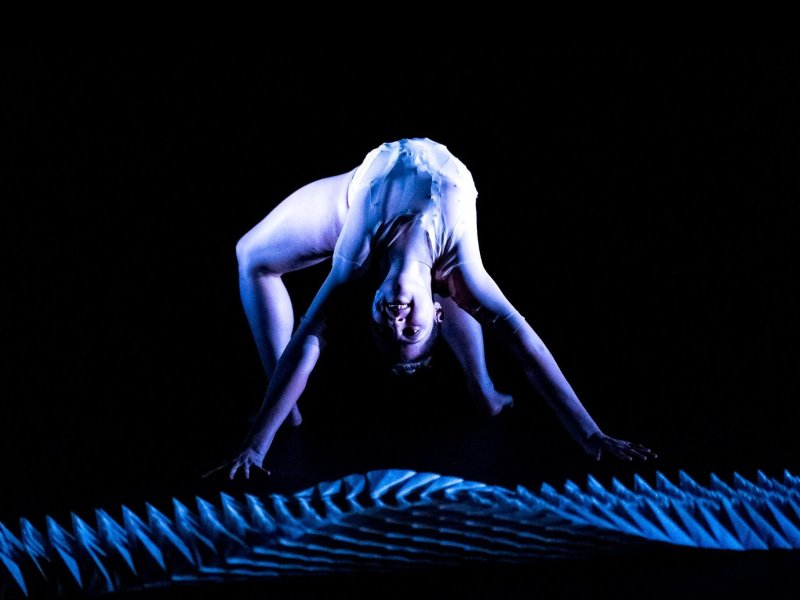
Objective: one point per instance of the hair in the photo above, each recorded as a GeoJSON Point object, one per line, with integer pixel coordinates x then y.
{"type": "Point", "coordinates": [406, 369]}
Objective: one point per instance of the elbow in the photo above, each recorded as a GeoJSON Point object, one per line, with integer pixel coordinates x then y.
{"type": "Point", "coordinates": [250, 258]}
{"type": "Point", "coordinates": [243, 253]}
{"type": "Point", "coordinates": [255, 255]}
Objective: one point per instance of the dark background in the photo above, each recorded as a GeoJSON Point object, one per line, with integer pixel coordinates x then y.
{"type": "Point", "coordinates": [638, 207]}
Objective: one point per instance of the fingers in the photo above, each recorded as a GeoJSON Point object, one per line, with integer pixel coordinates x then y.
{"type": "Point", "coordinates": [244, 466]}
{"type": "Point", "coordinates": [647, 451]}
{"type": "Point", "coordinates": [621, 452]}
{"type": "Point", "coordinates": [629, 451]}
{"type": "Point", "coordinates": [642, 452]}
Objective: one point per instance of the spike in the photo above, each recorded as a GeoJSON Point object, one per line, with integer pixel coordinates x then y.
{"type": "Point", "coordinates": [259, 516]}
{"type": "Point", "coordinates": [212, 522]}
{"type": "Point", "coordinates": [439, 485]}
{"type": "Point", "coordinates": [674, 532]}
{"type": "Point", "coordinates": [596, 489]}
{"type": "Point", "coordinates": [189, 527]}
{"type": "Point", "coordinates": [64, 544]}
{"type": "Point", "coordinates": [114, 536]}
{"type": "Point", "coordinates": [14, 571]}
{"type": "Point", "coordinates": [748, 537]}
{"type": "Point", "coordinates": [9, 544]}
{"type": "Point", "coordinates": [641, 487]}
{"type": "Point", "coordinates": [138, 531]}
{"type": "Point", "coordinates": [353, 485]}
{"type": "Point", "coordinates": [233, 515]}
{"type": "Point", "coordinates": [725, 536]}
{"type": "Point", "coordinates": [412, 485]}
{"type": "Point", "coordinates": [790, 480]}
{"type": "Point", "coordinates": [768, 533]}
{"type": "Point", "coordinates": [790, 531]}
{"type": "Point", "coordinates": [89, 541]}
{"type": "Point", "coordinates": [34, 544]}
{"type": "Point", "coordinates": [381, 483]}
{"type": "Point", "coordinates": [665, 486]}
{"type": "Point", "coordinates": [166, 532]}
{"type": "Point", "coordinates": [691, 525]}
{"type": "Point", "coordinates": [620, 491]}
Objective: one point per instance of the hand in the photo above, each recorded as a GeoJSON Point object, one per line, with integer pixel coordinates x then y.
{"type": "Point", "coordinates": [599, 442]}
{"type": "Point", "coordinates": [244, 461]}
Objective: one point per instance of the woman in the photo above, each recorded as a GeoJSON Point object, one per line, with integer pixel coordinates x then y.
{"type": "Point", "coordinates": [407, 214]}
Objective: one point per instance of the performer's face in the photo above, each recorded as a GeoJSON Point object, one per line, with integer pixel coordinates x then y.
{"type": "Point", "coordinates": [403, 320]}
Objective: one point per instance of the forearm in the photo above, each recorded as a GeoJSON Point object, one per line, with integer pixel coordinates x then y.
{"type": "Point", "coordinates": [285, 388]}
{"type": "Point", "coordinates": [545, 376]}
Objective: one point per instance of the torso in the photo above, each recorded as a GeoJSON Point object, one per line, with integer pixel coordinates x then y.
{"type": "Point", "coordinates": [403, 184]}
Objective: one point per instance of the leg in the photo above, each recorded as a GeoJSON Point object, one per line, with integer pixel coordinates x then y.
{"type": "Point", "coordinates": [464, 336]}
{"type": "Point", "coordinates": [300, 232]}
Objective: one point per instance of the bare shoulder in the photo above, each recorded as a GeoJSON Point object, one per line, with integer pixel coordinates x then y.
{"type": "Point", "coordinates": [332, 186]}
{"type": "Point", "coordinates": [472, 287]}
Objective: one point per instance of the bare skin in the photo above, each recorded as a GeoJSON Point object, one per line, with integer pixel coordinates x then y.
{"type": "Point", "coordinates": [328, 219]}
{"type": "Point", "coordinates": [301, 232]}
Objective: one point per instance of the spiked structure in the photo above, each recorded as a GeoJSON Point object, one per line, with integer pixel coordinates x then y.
{"type": "Point", "coordinates": [393, 519]}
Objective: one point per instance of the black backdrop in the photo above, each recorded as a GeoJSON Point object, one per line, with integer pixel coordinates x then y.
{"type": "Point", "coordinates": [638, 207]}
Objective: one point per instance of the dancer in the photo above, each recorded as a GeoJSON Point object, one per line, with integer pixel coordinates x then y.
{"type": "Point", "coordinates": [406, 216]}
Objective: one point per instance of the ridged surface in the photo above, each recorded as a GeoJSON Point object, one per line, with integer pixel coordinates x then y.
{"type": "Point", "coordinates": [389, 520]}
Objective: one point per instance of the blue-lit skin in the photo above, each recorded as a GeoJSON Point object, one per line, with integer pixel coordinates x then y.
{"type": "Point", "coordinates": [409, 211]}
{"type": "Point", "coordinates": [301, 232]}
{"type": "Point", "coordinates": [404, 313]}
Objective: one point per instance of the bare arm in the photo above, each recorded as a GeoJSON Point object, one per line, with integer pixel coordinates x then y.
{"type": "Point", "coordinates": [478, 294]}
{"type": "Point", "coordinates": [474, 290]}
{"type": "Point", "coordinates": [287, 385]}
{"type": "Point", "coordinates": [291, 375]}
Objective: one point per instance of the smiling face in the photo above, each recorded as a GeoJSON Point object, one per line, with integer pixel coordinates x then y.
{"type": "Point", "coordinates": [405, 322]}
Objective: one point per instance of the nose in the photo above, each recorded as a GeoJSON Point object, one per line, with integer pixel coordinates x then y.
{"type": "Point", "coordinates": [396, 323]}
{"type": "Point", "coordinates": [400, 329]}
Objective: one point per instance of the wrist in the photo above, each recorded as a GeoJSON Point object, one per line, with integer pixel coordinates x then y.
{"type": "Point", "coordinates": [259, 444]}
{"type": "Point", "coordinates": [590, 440]}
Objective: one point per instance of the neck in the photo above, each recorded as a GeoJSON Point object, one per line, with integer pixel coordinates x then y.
{"type": "Point", "coordinates": [413, 252]}
{"type": "Point", "coordinates": [407, 268]}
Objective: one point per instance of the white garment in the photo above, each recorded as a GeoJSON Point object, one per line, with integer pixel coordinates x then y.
{"type": "Point", "coordinates": [403, 183]}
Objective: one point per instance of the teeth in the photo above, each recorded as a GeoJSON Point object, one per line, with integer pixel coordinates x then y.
{"type": "Point", "coordinates": [397, 305]}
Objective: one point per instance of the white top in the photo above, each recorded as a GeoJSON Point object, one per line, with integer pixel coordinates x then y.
{"type": "Point", "coordinates": [402, 183]}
